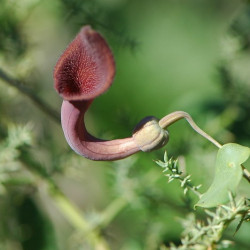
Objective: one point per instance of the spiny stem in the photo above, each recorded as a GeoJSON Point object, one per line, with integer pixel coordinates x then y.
{"type": "Point", "coordinates": [177, 115]}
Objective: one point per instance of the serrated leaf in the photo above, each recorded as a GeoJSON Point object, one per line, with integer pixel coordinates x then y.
{"type": "Point", "coordinates": [228, 174]}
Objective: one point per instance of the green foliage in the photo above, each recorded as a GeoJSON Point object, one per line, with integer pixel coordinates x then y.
{"type": "Point", "coordinates": [37, 231]}
{"type": "Point", "coordinates": [31, 228]}
{"type": "Point", "coordinates": [18, 136]}
{"type": "Point", "coordinates": [12, 41]}
{"type": "Point", "coordinates": [228, 174]}
{"type": "Point", "coordinates": [73, 203]}
{"type": "Point", "coordinates": [91, 12]}
{"type": "Point", "coordinates": [207, 234]}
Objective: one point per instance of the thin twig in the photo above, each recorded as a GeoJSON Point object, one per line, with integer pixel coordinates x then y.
{"type": "Point", "coordinates": [31, 95]}
{"type": "Point", "coordinates": [177, 115]}
{"type": "Point", "coordinates": [76, 218]}
{"type": "Point", "coordinates": [246, 173]}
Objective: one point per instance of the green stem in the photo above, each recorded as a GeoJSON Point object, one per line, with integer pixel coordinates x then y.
{"type": "Point", "coordinates": [70, 211]}
{"type": "Point", "coordinates": [246, 173]}
{"type": "Point", "coordinates": [31, 95]}
{"type": "Point", "coordinates": [76, 219]}
{"type": "Point", "coordinates": [177, 115]}
{"type": "Point", "coordinates": [112, 211]}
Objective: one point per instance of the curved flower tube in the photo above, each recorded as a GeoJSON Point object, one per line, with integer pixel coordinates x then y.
{"type": "Point", "coordinates": [84, 71]}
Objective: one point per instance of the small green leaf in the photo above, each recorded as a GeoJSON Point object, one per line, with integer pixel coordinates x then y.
{"type": "Point", "coordinates": [228, 174]}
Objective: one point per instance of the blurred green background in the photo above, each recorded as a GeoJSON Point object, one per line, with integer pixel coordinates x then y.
{"type": "Point", "coordinates": [170, 55]}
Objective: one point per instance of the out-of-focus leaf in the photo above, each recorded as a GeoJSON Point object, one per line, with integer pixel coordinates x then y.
{"type": "Point", "coordinates": [227, 175]}
{"type": "Point", "coordinates": [36, 230]}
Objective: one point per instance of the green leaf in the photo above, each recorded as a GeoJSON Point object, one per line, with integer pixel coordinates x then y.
{"type": "Point", "coordinates": [228, 174]}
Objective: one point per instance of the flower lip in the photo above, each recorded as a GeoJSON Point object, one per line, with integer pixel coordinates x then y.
{"type": "Point", "coordinates": [86, 69]}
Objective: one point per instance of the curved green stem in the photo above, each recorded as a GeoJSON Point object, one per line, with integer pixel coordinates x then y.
{"type": "Point", "coordinates": [177, 115]}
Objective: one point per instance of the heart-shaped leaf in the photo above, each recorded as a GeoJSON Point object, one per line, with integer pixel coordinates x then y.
{"type": "Point", "coordinates": [228, 174]}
